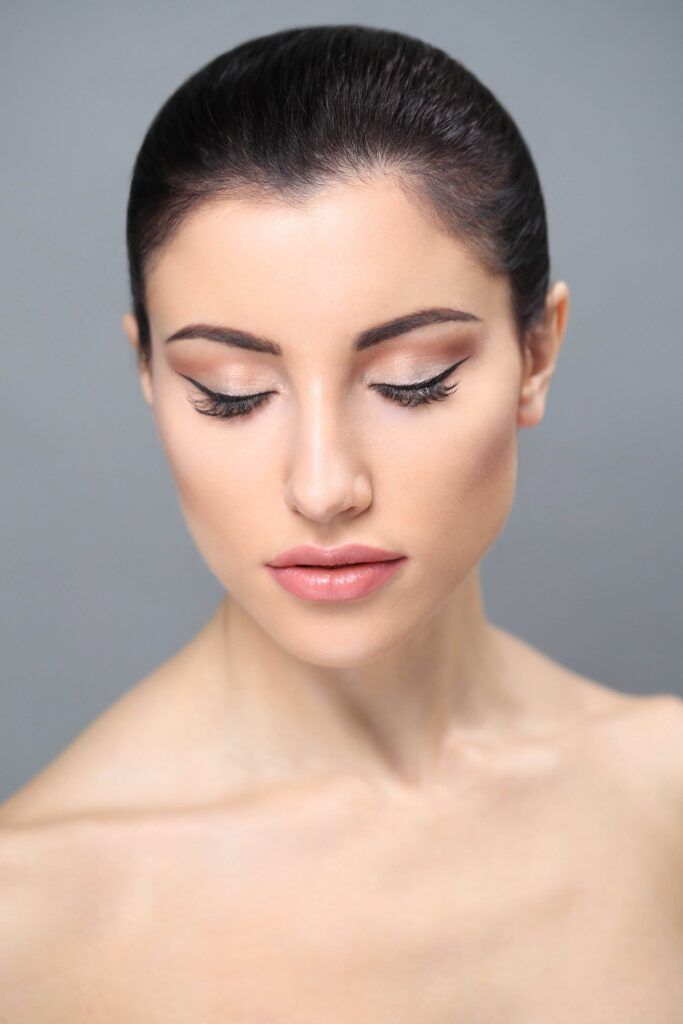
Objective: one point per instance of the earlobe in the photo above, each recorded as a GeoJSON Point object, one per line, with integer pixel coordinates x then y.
{"type": "Point", "coordinates": [540, 356]}
{"type": "Point", "coordinates": [532, 395]}
{"type": "Point", "coordinates": [130, 326]}
{"type": "Point", "coordinates": [146, 385]}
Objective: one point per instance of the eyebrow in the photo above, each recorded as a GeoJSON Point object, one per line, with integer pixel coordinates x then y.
{"type": "Point", "coordinates": [370, 336]}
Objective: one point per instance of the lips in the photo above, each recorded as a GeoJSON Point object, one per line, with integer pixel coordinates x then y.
{"type": "Point", "coordinates": [349, 554]}
{"type": "Point", "coordinates": [341, 583]}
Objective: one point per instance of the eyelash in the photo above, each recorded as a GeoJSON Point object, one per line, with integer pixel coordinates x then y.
{"type": "Point", "coordinates": [409, 395]}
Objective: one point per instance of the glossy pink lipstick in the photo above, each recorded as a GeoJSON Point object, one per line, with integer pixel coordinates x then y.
{"type": "Point", "coordinates": [334, 574]}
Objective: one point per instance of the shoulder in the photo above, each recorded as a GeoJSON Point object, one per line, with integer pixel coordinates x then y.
{"type": "Point", "coordinates": [159, 744]}
{"type": "Point", "coordinates": [135, 755]}
{"type": "Point", "coordinates": [65, 839]}
{"type": "Point", "coordinates": [640, 734]}
{"type": "Point", "coordinates": [648, 731]}
{"type": "Point", "coordinates": [44, 915]}
{"type": "Point", "coordinates": [642, 743]}
{"type": "Point", "coordinates": [634, 742]}
{"type": "Point", "coordinates": [82, 778]}
{"type": "Point", "coordinates": [652, 748]}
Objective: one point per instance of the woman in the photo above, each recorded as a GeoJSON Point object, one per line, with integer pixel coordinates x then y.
{"type": "Point", "coordinates": [350, 797]}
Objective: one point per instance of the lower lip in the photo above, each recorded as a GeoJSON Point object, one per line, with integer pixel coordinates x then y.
{"type": "Point", "coordinates": [340, 583]}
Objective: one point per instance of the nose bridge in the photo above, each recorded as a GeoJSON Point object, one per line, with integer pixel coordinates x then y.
{"type": "Point", "coordinates": [324, 466]}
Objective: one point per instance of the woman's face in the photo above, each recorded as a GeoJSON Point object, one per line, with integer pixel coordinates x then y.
{"type": "Point", "coordinates": [327, 458]}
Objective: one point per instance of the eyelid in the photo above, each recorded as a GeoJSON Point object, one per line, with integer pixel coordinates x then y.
{"type": "Point", "coordinates": [221, 394]}
{"type": "Point", "coordinates": [432, 380]}
{"type": "Point", "coordinates": [397, 387]}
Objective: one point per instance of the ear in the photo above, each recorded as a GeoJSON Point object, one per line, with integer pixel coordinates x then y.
{"type": "Point", "coordinates": [541, 349]}
{"type": "Point", "coordinates": [130, 326]}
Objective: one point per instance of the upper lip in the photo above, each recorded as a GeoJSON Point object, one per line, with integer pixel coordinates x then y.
{"type": "Point", "coordinates": [305, 554]}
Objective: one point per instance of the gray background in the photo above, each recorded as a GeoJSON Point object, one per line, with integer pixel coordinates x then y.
{"type": "Point", "coordinates": [100, 580]}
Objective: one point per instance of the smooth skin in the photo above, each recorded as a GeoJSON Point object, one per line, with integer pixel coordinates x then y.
{"type": "Point", "coordinates": [377, 811]}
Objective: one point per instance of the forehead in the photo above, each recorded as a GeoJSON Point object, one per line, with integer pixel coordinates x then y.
{"type": "Point", "coordinates": [363, 246]}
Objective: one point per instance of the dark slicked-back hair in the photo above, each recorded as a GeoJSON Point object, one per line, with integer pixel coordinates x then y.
{"type": "Point", "coordinates": [280, 116]}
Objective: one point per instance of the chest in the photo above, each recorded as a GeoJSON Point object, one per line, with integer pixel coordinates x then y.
{"type": "Point", "coordinates": [424, 919]}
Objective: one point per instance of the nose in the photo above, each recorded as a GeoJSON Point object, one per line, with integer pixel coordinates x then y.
{"type": "Point", "coordinates": [326, 476]}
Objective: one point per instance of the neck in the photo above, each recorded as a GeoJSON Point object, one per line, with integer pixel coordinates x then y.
{"type": "Point", "coordinates": [397, 716]}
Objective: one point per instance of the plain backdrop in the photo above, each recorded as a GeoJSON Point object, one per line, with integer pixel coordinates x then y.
{"type": "Point", "coordinates": [100, 579]}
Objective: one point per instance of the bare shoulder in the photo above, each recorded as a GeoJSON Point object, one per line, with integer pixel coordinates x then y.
{"type": "Point", "coordinates": [45, 914]}
{"type": "Point", "coordinates": [642, 734]}
{"type": "Point", "coordinates": [70, 836]}
{"type": "Point", "coordinates": [88, 774]}
{"type": "Point", "coordinates": [638, 742]}
{"type": "Point", "coordinates": [635, 739]}
{"type": "Point", "coordinates": [65, 837]}
{"type": "Point", "coordinates": [576, 701]}
{"type": "Point", "coordinates": [146, 750]}
{"type": "Point", "coordinates": [648, 730]}
{"type": "Point", "coordinates": [47, 870]}
{"type": "Point", "coordinates": [655, 734]}
{"type": "Point", "coordinates": [649, 744]}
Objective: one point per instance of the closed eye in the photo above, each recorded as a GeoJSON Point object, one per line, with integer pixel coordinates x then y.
{"type": "Point", "coordinates": [432, 390]}
{"type": "Point", "coordinates": [214, 403]}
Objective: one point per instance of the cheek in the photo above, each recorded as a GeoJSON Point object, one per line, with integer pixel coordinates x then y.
{"type": "Point", "coordinates": [216, 476]}
{"type": "Point", "coordinates": [462, 486]}
{"type": "Point", "coordinates": [489, 471]}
